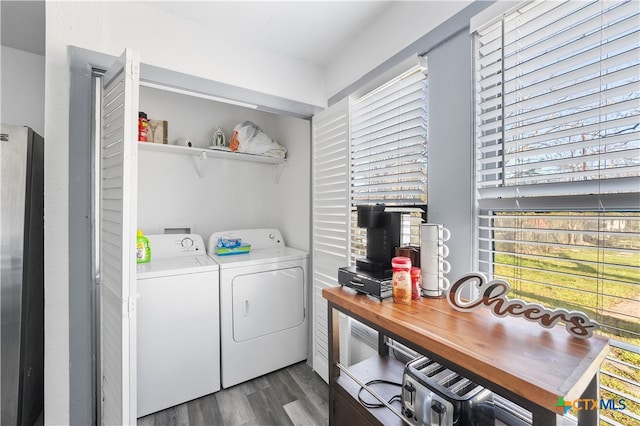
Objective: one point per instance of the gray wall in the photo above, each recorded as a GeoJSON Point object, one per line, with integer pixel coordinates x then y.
{"type": "Point", "coordinates": [450, 147]}
{"type": "Point", "coordinates": [82, 290]}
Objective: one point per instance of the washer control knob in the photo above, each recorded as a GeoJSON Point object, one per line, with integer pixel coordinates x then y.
{"type": "Point", "coordinates": [187, 242]}
{"type": "Point", "coordinates": [271, 236]}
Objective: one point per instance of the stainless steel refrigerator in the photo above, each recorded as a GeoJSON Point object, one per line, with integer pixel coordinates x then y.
{"type": "Point", "coordinates": [21, 275]}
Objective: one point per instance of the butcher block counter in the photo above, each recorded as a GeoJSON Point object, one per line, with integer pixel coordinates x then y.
{"type": "Point", "coordinates": [519, 360]}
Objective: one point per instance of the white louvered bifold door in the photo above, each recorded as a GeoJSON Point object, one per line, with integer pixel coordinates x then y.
{"type": "Point", "coordinates": [118, 211]}
{"type": "Point", "coordinates": [330, 217]}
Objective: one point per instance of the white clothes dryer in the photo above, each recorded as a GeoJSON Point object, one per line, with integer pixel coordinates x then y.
{"type": "Point", "coordinates": [178, 327]}
{"type": "Point", "coordinates": [263, 305]}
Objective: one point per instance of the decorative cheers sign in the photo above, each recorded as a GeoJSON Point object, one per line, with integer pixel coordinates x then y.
{"type": "Point", "coordinates": [493, 294]}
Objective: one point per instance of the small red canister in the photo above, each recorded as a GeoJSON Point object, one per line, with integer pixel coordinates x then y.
{"type": "Point", "coordinates": [143, 126]}
{"type": "Point", "coordinates": [416, 281]}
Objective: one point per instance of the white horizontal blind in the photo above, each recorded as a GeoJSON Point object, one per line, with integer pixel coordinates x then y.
{"type": "Point", "coordinates": [389, 155]}
{"type": "Point", "coordinates": [388, 143]}
{"type": "Point", "coordinates": [557, 138]}
{"type": "Point", "coordinates": [586, 261]}
{"type": "Point", "coordinates": [558, 95]}
{"type": "Point", "coordinates": [330, 217]}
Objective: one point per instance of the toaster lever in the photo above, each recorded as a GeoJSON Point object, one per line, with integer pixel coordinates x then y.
{"type": "Point", "coordinates": [412, 390]}
{"type": "Point", "coordinates": [437, 411]}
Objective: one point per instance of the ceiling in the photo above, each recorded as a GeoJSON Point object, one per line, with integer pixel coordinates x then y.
{"type": "Point", "coordinates": [312, 31]}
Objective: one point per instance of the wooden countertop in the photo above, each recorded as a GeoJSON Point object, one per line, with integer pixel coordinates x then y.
{"type": "Point", "coordinates": [532, 362]}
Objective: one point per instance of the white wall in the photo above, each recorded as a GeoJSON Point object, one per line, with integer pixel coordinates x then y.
{"type": "Point", "coordinates": [56, 232]}
{"type": "Point", "coordinates": [294, 187]}
{"type": "Point", "coordinates": [22, 89]}
{"type": "Point", "coordinates": [171, 42]}
{"type": "Point", "coordinates": [230, 194]}
{"type": "Point", "coordinates": [402, 24]}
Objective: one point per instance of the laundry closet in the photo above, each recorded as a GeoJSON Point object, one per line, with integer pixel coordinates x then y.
{"type": "Point", "coordinates": [170, 189]}
{"type": "Point", "coordinates": [215, 325]}
{"type": "Point", "coordinates": [202, 190]}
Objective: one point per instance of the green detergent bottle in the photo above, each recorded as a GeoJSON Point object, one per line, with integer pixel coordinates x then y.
{"type": "Point", "coordinates": [143, 249]}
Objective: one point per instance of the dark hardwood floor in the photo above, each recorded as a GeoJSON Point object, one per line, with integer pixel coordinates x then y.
{"type": "Point", "coordinates": [295, 395]}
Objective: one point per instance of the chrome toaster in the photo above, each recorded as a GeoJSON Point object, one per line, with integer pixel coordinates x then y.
{"type": "Point", "coordinates": [436, 396]}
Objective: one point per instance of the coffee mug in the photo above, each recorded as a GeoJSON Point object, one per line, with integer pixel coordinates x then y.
{"type": "Point", "coordinates": [434, 232]}
{"type": "Point", "coordinates": [434, 264]}
{"type": "Point", "coordinates": [441, 250]}
{"type": "Point", "coordinates": [434, 285]}
{"type": "Point", "coordinates": [432, 248]}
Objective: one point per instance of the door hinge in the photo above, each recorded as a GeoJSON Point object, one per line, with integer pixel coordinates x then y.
{"type": "Point", "coordinates": [131, 306]}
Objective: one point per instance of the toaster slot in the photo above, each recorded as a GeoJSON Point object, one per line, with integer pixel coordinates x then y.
{"type": "Point", "coordinates": [450, 380]}
{"type": "Point", "coordinates": [442, 375]}
{"type": "Point", "coordinates": [422, 363]}
{"type": "Point", "coordinates": [430, 368]}
{"type": "Point", "coordinates": [463, 387]}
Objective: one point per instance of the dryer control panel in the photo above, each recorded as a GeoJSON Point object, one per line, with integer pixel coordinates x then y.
{"type": "Point", "coordinates": [258, 238]}
{"type": "Point", "coordinates": [176, 245]}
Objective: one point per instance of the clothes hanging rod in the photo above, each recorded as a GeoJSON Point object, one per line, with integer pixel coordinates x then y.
{"type": "Point", "coordinates": [196, 94]}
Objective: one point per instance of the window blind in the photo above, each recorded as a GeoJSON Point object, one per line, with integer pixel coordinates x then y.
{"type": "Point", "coordinates": [558, 96]}
{"type": "Point", "coordinates": [388, 143]}
{"type": "Point", "coordinates": [557, 142]}
{"type": "Point", "coordinates": [562, 257]}
{"type": "Point", "coordinates": [389, 155]}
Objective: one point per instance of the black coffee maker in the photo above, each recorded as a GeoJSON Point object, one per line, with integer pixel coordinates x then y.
{"type": "Point", "coordinates": [372, 274]}
{"type": "Point", "coordinates": [383, 236]}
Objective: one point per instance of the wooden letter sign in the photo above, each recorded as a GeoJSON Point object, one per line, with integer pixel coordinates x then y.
{"type": "Point", "coordinates": [493, 294]}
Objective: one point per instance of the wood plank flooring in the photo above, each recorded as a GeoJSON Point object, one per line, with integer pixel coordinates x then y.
{"type": "Point", "coordinates": [295, 395]}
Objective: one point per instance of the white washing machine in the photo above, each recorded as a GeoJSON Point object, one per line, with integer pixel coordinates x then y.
{"type": "Point", "coordinates": [178, 348]}
{"type": "Point", "coordinates": [263, 305]}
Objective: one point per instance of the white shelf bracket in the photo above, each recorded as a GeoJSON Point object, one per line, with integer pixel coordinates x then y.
{"type": "Point", "coordinates": [279, 168]}
{"type": "Point", "coordinates": [201, 163]}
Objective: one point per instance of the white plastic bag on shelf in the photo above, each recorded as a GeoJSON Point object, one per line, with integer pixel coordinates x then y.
{"type": "Point", "coordinates": [249, 138]}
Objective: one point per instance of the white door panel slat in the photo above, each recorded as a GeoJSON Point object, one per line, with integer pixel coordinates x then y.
{"type": "Point", "coordinates": [113, 164]}
{"type": "Point", "coordinates": [118, 168]}
{"type": "Point", "coordinates": [330, 226]}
